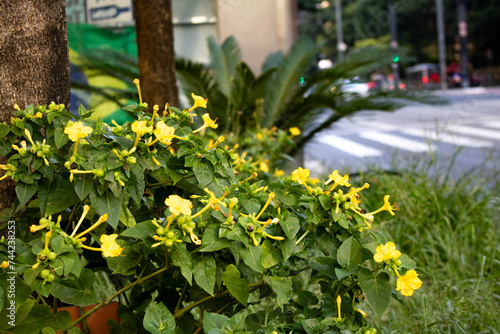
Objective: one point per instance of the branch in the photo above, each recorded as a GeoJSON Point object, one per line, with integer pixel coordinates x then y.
{"type": "Point", "coordinates": [109, 299]}
{"type": "Point", "coordinates": [180, 313]}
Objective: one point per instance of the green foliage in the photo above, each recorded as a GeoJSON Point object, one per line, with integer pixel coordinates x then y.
{"type": "Point", "coordinates": [450, 227]}
{"type": "Point", "coordinates": [187, 235]}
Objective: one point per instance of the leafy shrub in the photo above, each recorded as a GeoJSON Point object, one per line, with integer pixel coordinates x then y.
{"type": "Point", "coordinates": [189, 237]}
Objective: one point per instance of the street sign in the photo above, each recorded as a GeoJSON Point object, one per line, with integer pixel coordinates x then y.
{"type": "Point", "coordinates": [110, 12]}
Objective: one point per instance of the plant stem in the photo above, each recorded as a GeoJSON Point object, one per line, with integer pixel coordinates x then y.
{"type": "Point", "coordinates": [179, 302]}
{"type": "Point", "coordinates": [109, 299]}
{"type": "Point", "coordinates": [180, 313]}
{"type": "Point", "coordinates": [304, 235]}
{"type": "Point", "coordinates": [349, 288]}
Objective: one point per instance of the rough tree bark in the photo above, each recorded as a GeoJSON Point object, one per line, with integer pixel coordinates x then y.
{"type": "Point", "coordinates": [155, 42]}
{"type": "Point", "coordinates": [34, 61]}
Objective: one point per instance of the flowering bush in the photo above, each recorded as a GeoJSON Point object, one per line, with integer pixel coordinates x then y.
{"type": "Point", "coordinates": [186, 240]}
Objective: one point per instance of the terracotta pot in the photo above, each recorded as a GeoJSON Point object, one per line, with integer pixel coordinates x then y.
{"type": "Point", "coordinates": [97, 321]}
{"type": "Point", "coordinates": [74, 312]}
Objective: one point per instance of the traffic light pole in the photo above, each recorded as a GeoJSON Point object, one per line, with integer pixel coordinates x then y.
{"type": "Point", "coordinates": [462, 32]}
{"type": "Point", "coordinates": [394, 43]}
{"type": "Point", "coordinates": [341, 47]}
{"type": "Point", "coordinates": [441, 43]}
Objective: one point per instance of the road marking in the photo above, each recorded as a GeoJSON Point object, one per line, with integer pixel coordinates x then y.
{"type": "Point", "coordinates": [447, 138]}
{"type": "Point", "coordinates": [492, 124]}
{"type": "Point", "coordinates": [397, 141]}
{"type": "Point", "coordinates": [348, 146]}
{"type": "Point", "coordinates": [382, 126]}
{"type": "Point", "coordinates": [469, 130]}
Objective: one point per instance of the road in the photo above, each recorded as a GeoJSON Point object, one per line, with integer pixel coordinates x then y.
{"type": "Point", "coordinates": [467, 128]}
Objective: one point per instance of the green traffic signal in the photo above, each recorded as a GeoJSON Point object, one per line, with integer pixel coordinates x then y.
{"type": "Point", "coordinates": [395, 58]}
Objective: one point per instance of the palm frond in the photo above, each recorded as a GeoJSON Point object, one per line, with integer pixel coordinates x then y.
{"type": "Point", "coordinates": [273, 60]}
{"type": "Point", "coordinates": [224, 59]}
{"type": "Point", "coordinates": [286, 79]}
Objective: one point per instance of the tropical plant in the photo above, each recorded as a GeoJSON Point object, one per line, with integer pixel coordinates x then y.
{"type": "Point", "coordinates": [187, 237]}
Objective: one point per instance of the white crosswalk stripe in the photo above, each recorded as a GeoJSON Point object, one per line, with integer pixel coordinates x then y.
{"type": "Point", "coordinates": [447, 138]}
{"type": "Point", "coordinates": [473, 131]}
{"type": "Point", "coordinates": [459, 135]}
{"type": "Point", "coordinates": [348, 146]}
{"type": "Point", "coordinates": [492, 124]}
{"type": "Point", "coordinates": [397, 141]}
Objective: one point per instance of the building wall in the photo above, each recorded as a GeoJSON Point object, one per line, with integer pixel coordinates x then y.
{"type": "Point", "coordinates": [260, 27]}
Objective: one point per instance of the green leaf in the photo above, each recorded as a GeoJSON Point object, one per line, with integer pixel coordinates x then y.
{"type": "Point", "coordinates": [252, 205]}
{"type": "Point", "coordinates": [175, 175]}
{"type": "Point", "coordinates": [83, 185]}
{"type": "Point", "coordinates": [283, 288]}
{"type": "Point", "coordinates": [124, 142]}
{"type": "Point", "coordinates": [48, 330]}
{"type": "Point", "coordinates": [159, 320]}
{"type": "Point", "coordinates": [107, 204]}
{"type": "Point", "coordinates": [313, 326]}
{"type": "Point", "coordinates": [204, 173]}
{"type": "Point", "coordinates": [25, 191]}
{"type": "Point", "coordinates": [76, 291]}
{"type": "Point", "coordinates": [213, 321]}
{"type": "Point", "coordinates": [40, 317]}
{"type": "Point", "coordinates": [307, 298]}
{"type": "Point", "coordinates": [236, 285]}
{"type": "Point", "coordinates": [141, 231]}
{"type": "Point", "coordinates": [126, 217]}
{"type": "Point", "coordinates": [182, 259]}
{"type": "Point", "coordinates": [349, 253]}
{"type": "Point", "coordinates": [126, 262]}
{"type": "Point", "coordinates": [407, 262]}
{"type": "Point", "coordinates": [238, 234]}
{"type": "Point", "coordinates": [287, 248]}
{"type": "Point", "coordinates": [211, 241]}
{"type": "Point", "coordinates": [61, 198]}
{"type": "Point", "coordinates": [290, 226]}
{"type": "Point", "coordinates": [271, 255]}
{"type": "Point", "coordinates": [377, 290]}
{"type": "Point", "coordinates": [252, 256]}
{"type": "Point", "coordinates": [204, 272]}
{"type": "Point", "coordinates": [60, 137]}
{"type": "Point", "coordinates": [4, 130]}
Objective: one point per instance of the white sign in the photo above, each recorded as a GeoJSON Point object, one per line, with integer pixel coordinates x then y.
{"type": "Point", "coordinates": [110, 12]}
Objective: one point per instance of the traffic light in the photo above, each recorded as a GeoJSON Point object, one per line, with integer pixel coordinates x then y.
{"type": "Point", "coordinates": [395, 58]}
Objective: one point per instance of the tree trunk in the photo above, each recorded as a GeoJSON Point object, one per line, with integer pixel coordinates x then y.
{"type": "Point", "coordinates": [155, 42]}
{"type": "Point", "coordinates": [34, 61]}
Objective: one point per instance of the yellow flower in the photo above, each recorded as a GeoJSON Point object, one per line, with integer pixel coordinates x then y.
{"type": "Point", "coordinates": [408, 282]}
{"type": "Point", "coordinates": [77, 131]}
{"type": "Point", "coordinates": [207, 123]}
{"type": "Point", "coordinates": [278, 172]}
{"type": "Point", "coordinates": [178, 205]}
{"type": "Point", "coordinates": [386, 207]}
{"type": "Point", "coordinates": [338, 180]}
{"type": "Point", "coordinates": [314, 181]}
{"type": "Point", "coordinates": [263, 167]}
{"type": "Point", "coordinates": [198, 102]}
{"type": "Point", "coordinates": [386, 252]}
{"type": "Point", "coordinates": [300, 175]}
{"type": "Point", "coordinates": [37, 115]}
{"type": "Point", "coordinates": [219, 140]}
{"type": "Point", "coordinates": [140, 127]}
{"type": "Point", "coordinates": [5, 264]}
{"type": "Point", "coordinates": [109, 247]}
{"type": "Point", "coordinates": [294, 131]}
{"type": "Point", "coordinates": [164, 133]}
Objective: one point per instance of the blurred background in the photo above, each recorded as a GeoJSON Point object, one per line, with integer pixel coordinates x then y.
{"type": "Point", "coordinates": [418, 35]}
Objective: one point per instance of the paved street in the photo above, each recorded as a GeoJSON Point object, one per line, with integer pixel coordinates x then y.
{"type": "Point", "coordinates": [468, 127]}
